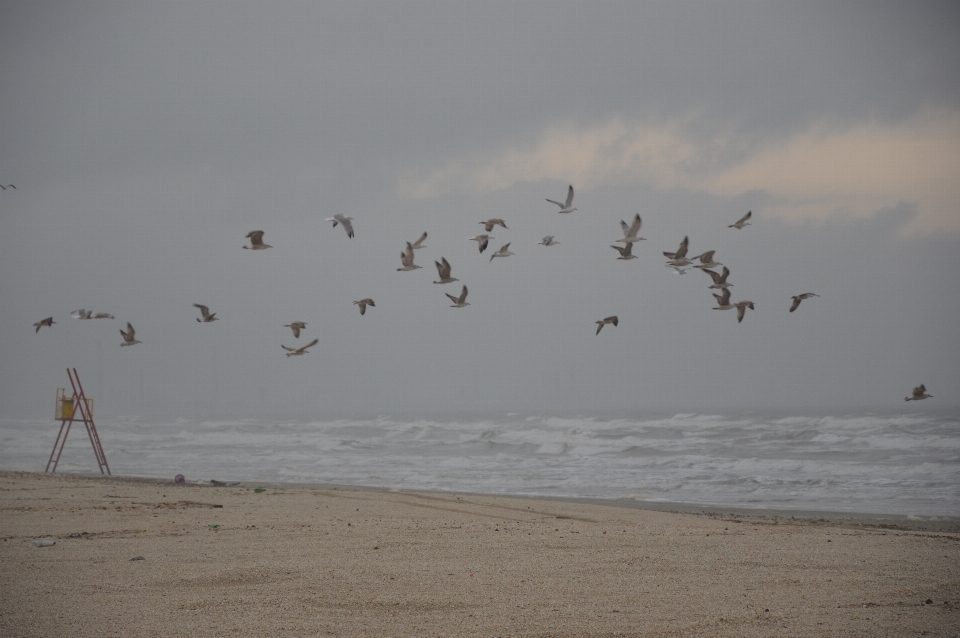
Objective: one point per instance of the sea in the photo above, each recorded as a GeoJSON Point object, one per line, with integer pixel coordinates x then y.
{"type": "Point", "coordinates": [899, 464]}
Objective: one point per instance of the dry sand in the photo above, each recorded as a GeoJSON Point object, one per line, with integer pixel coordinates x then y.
{"type": "Point", "coordinates": [315, 561]}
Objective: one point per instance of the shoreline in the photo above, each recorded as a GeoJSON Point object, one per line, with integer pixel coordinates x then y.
{"type": "Point", "coordinates": [770, 516]}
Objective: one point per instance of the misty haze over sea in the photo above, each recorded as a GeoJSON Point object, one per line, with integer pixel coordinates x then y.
{"type": "Point", "coordinates": [871, 463]}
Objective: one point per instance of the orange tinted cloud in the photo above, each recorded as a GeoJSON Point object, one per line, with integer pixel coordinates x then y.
{"type": "Point", "coordinates": [823, 171]}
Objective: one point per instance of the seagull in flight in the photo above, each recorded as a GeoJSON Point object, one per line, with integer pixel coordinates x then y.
{"type": "Point", "coordinates": [406, 258]}
{"type": "Point", "coordinates": [681, 251]}
{"type": "Point", "coordinates": [482, 241]}
{"type": "Point", "coordinates": [719, 280]}
{"type": "Point", "coordinates": [603, 322]}
{"type": "Point", "coordinates": [296, 352]}
{"type": "Point", "coordinates": [503, 252]}
{"type": "Point", "coordinates": [799, 298]}
{"type": "Point", "coordinates": [296, 327]}
{"type": "Point", "coordinates": [207, 315]}
{"type": "Point", "coordinates": [626, 252]}
{"type": "Point", "coordinates": [547, 241]}
{"type": "Point", "coordinates": [102, 315]}
{"type": "Point", "coordinates": [741, 307]}
{"type": "Point", "coordinates": [256, 240]}
{"type": "Point", "coordinates": [490, 223]}
{"type": "Point", "coordinates": [459, 302]}
{"type": "Point", "coordinates": [679, 258]}
{"type": "Point", "coordinates": [342, 219]}
{"type": "Point", "coordinates": [129, 336]}
{"type": "Point", "coordinates": [363, 303]}
{"type": "Point", "coordinates": [919, 394]}
{"type": "Point", "coordinates": [723, 300]}
{"type": "Point", "coordinates": [82, 314]}
{"type": "Point", "coordinates": [43, 322]}
{"type": "Point", "coordinates": [742, 221]}
{"type": "Point", "coordinates": [567, 206]}
{"type": "Point", "coordinates": [3, 188]}
{"type": "Point", "coordinates": [417, 245]}
{"type": "Point", "coordinates": [706, 260]}
{"type": "Point", "coordinates": [630, 232]}
{"type": "Point", "coordinates": [443, 268]}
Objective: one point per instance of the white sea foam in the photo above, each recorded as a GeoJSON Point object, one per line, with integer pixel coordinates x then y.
{"type": "Point", "coordinates": [892, 464]}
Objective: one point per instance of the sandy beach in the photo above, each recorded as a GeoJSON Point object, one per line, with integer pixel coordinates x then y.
{"type": "Point", "coordinates": [138, 557]}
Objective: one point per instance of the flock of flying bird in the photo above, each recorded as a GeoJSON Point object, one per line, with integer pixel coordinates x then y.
{"type": "Point", "coordinates": [676, 260]}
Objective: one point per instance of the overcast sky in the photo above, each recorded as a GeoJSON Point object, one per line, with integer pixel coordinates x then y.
{"type": "Point", "coordinates": [146, 140]}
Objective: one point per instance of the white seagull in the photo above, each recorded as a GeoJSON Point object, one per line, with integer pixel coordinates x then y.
{"type": "Point", "coordinates": [43, 322]}
{"type": "Point", "coordinates": [603, 322]}
{"type": "Point", "coordinates": [567, 206]}
{"type": "Point", "coordinates": [417, 245]}
{"type": "Point", "coordinates": [630, 232]}
{"type": "Point", "coordinates": [547, 241]}
{"type": "Point", "coordinates": [256, 240]}
{"type": "Point", "coordinates": [799, 298]}
{"type": "Point", "coordinates": [363, 303]}
{"type": "Point", "coordinates": [207, 315]}
{"type": "Point", "coordinates": [919, 394]}
{"type": "Point", "coordinates": [296, 327]}
{"type": "Point", "coordinates": [347, 224]}
{"type": "Point", "coordinates": [406, 258]}
{"type": "Point", "coordinates": [626, 252]}
{"type": "Point", "coordinates": [444, 270]}
{"type": "Point", "coordinates": [461, 301]}
{"type": "Point", "coordinates": [295, 352]}
{"type": "Point", "coordinates": [482, 241]}
{"type": "Point", "coordinates": [742, 221]}
{"type": "Point", "coordinates": [490, 223]}
{"type": "Point", "coordinates": [82, 314]}
{"type": "Point", "coordinates": [503, 252]}
{"type": "Point", "coordinates": [128, 336]}
{"type": "Point", "coordinates": [719, 280]}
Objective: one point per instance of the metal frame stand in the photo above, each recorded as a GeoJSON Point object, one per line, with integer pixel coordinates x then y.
{"type": "Point", "coordinates": [84, 405]}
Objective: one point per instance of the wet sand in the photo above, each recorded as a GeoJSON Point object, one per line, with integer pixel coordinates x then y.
{"type": "Point", "coordinates": [334, 561]}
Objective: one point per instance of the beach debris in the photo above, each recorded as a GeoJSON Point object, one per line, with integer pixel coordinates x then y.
{"type": "Point", "coordinates": [213, 525]}
{"type": "Point", "coordinates": [259, 490]}
{"type": "Point", "coordinates": [179, 479]}
{"type": "Point", "coordinates": [138, 558]}
{"type": "Point", "coordinates": [44, 542]}
{"type": "Point", "coordinates": [77, 535]}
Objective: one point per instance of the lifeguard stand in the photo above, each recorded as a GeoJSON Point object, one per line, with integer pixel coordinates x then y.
{"type": "Point", "coordinates": [76, 408]}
